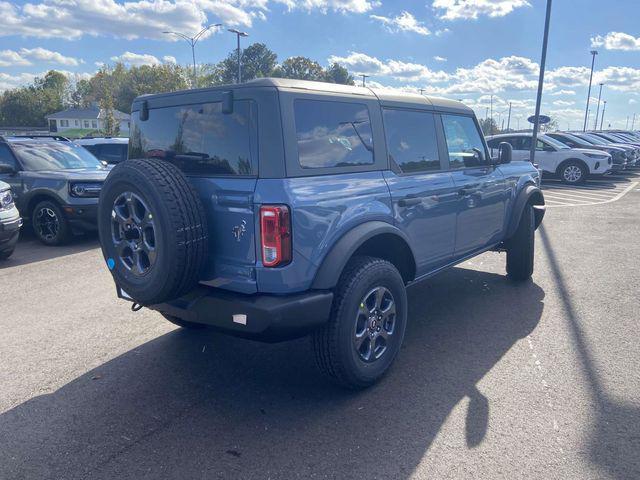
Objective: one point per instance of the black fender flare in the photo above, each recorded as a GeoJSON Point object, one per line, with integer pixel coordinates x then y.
{"type": "Point", "coordinates": [334, 262]}
{"type": "Point", "coordinates": [530, 194]}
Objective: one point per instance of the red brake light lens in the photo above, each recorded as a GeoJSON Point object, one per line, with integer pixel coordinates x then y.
{"type": "Point", "coordinates": [275, 229]}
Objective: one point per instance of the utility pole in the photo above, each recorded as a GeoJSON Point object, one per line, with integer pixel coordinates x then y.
{"type": "Point", "coordinates": [509, 117]}
{"type": "Point", "coordinates": [239, 34]}
{"type": "Point", "coordinates": [627, 127]}
{"type": "Point", "coordinates": [604, 108]}
{"type": "Point", "coordinates": [595, 127]}
{"type": "Point", "coordinates": [543, 61]}
{"type": "Point", "coordinates": [192, 42]}
{"type": "Point", "coordinates": [586, 112]}
{"type": "Point", "coordinates": [421, 91]}
{"type": "Point", "coordinates": [633, 124]}
{"type": "Point", "coordinates": [491, 122]}
{"type": "Point", "coordinates": [364, 77]}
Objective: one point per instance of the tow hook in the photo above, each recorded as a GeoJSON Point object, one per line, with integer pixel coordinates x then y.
{"type": "Point", "coordinates": [136, 307]}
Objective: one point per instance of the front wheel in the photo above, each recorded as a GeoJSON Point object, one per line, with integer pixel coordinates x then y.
{"type": "Point", "coordinates": [49, 224]}
{"type": "Point", "coordinates": [520, 248]}
{"type": "Point", "coordinates": [573, 173]}
{"type": "Point", "coordinates": [367, 324]}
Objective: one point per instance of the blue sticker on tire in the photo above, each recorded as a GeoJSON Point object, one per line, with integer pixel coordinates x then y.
{"type": "Point", "coordinates": [111, 263]}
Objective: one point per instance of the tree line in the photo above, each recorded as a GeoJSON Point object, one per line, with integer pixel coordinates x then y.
{"type": "Point", "coordinates": [115, 86]}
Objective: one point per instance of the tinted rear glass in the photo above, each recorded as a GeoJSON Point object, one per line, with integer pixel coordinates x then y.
{"type": "Point", "coordinates": [333, 134]}
{"type": "Point", "coordinates": [411, 140]}
{"type": "Point", "coordinates": [199, 139]}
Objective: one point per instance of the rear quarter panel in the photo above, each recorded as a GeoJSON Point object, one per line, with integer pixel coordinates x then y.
{"type": "Point", "coordinates": [324, 208]}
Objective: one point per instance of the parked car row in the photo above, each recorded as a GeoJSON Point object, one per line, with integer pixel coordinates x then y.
{"type": "Point", "coordinates": [575, 156]}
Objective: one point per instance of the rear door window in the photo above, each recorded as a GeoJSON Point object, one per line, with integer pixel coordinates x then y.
{"type": "Point", "coordinates": [333, 134]}
{"type": "Point", "coordinates": [199, 138]}
{"type": "Point", "coordinates": [113, 152]}
{"type": "Point", "coordinates": [411, 140]}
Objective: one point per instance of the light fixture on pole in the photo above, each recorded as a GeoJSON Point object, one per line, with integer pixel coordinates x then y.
{"type": "Point", "coordinates": [239, 34]}
{"type": "Point", "coordinates": [192, 42]}
{"type": "Point", "coordinates": [364, 77]}
{"type": "Point", "coordinates": [604, 108]}
{"type": "Point", "coordinates": [543, 61]}
{"type": "Point", "coordinates": [586, 111]}
{"type": "Point", "coordinates": [595, 127]}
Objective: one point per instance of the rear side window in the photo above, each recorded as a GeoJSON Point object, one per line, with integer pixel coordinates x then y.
{"type": "Point", "coordinates": [333, 134]}
{"type": "Point", "coordinates": [464, 142]}
{"type": "Point", "coordinates": [113, 152]}
{"type": "Point", "coordinates": [199, 139]}
{"type": "Point", "coordinates": [411, 140]}
{"type": "Point", "coordinates": [6, 157]}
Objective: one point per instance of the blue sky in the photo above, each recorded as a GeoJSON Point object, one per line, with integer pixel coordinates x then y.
{"type": "Point", "coordinates": [462, 49]}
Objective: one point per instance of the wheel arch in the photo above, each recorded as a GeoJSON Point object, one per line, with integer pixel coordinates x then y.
{"type": "Point", "coordinates": [573, 159]}
{"type": "Point", "coordinates": [530, 194]}
{"type": "Point", "coordinates": [37, 197]}
{"type": "Point", "coordinates": [376, 239]}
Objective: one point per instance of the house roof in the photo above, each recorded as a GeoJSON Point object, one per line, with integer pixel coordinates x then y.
{"type": "Point", "coordinates": [91, 113]}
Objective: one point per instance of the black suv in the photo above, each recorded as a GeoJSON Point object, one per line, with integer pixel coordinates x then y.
{"type": "Point", "coordinates": [55, 183]}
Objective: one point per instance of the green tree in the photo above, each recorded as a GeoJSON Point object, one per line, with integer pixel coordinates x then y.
{"type": "Point", "coordinates": [336, 73]}
{"type": "Point", "coordinates": [257, 61]}
{"type": "Point", "coordinates": [489, 126]}
{"type": "Point", "coordinates": [111, 124]}
{"type": "Point", "coordinates": [302, 68]}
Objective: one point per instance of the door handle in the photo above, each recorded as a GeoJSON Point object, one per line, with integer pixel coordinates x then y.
{"type": "Point", "coordinates": [409, 201]}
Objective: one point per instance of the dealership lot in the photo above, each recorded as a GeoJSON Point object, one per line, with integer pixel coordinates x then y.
{"type": "Point", "coordinates": [596, 191]}
{"type": "Point", "coordinates": [543, 385]}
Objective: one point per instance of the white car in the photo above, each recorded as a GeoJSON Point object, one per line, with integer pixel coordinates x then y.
{"type": "Point", "coordinates": [572, 165]}
{"type": "Point", "coordinates": [108, 149]}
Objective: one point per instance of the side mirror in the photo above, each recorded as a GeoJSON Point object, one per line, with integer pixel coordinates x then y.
{"type": "Point", "coordinates": [505, 153]}
{"type": "Point", "coordinates": [7, 169]}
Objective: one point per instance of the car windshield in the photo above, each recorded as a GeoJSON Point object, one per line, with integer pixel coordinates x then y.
{"type": "Point", "coordinates": [555, 143]}
{"type": "Point", "coordinates": [569, 136]}
{"type": "Point", "coordinates": [55, 156]}
{"type": "Point", "coordinates": [594, 139]}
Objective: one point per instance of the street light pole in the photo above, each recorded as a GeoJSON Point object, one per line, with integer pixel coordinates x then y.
{"type": "Point", "coordinates": [586, 111]}
{"type": "Point", "coordinates": [239, 34]}
{"type": "Point", "coordinates": [604, 108]}
{"type": "Point", "coordinates": [595, 127]}
{"type": "Point", "coordinates": [543, 61]}
{"type": "Point", "coordinates": [364, 77]}
{"type": "Point", "coordinates": [491, 121]}
{"type": "Point", "coordinates": [633, 124]}
{"type": "Point", "coordinates": [192, 43]}
{"type": "Point", "coordinates": [509, 117]}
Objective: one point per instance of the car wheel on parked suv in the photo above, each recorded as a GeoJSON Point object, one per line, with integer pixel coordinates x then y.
{"type": "Point", "coordinates": [49, 224]}
{"type": "Point", "coordinates": [573, 172]}
{"type": "Point", "coordinates": [520, 248]}
{"type": "Point", "coordinates": [368, 319]}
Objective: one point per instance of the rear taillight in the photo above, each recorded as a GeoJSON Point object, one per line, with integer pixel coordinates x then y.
{"type": "Point", "coordinates": [275, 230]}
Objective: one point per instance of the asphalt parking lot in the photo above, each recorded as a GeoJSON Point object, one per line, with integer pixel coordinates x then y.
{"type": "Point", "coordinates": [539, 380]}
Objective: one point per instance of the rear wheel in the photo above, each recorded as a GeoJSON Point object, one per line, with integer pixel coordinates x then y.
{"type": "Point", "coordinates": [520, 248]}
{"type": "Point", "coordinates": [49, 224]}
{"type": "Point", "coordinates": [367, 324]}
{"type": "Point", "coordinates": [573, 173]}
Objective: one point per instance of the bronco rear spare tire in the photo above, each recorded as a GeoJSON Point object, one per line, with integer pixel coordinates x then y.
{"type": "Point", "coordinates": [153, 230]}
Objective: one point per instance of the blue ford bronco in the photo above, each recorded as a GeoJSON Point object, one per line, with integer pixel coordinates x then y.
{"type": "Point", "coordinates": [277, 208]}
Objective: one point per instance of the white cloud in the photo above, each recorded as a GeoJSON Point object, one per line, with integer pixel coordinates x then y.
{"type": "Point", "coordinates": [169, 59]}
{"type": "Point", "coordinates": [397, 69]}
{"type": "Point", "coordinates": [472, 9]}
{"type": "Point", "coordinates": [563, 92]}
{"type": "Point", "coordinates": [442, 31]}
{"type": "Point", "coordinates": [632, 101]}
{"type": "Point", "coordinates": [26, 56]}
{"type": "Point", "coordinates": [438, 58]}
{"type": "Point", "coordinates": [8, 82]}
{"type": "Point", "coordinates": [405, 22]}
{"type": "Point", "coordinates": [136, 59]}
{"type": "Point", "coordinates": [342, 6]}
{"type": "Point", "coordinates": [616, 41]}
{"type": "Point", "coordinates": [564, 103]}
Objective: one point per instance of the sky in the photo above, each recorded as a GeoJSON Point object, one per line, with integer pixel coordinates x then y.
{"type": "Point", "coordinates": [468, 50]}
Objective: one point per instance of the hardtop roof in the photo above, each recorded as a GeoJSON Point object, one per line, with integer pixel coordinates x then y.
{"type": "Point", "coordinates": [385, 96]}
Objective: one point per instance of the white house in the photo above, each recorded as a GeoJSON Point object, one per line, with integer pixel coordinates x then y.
{"type": "Point", "coordinates": [91, 118]}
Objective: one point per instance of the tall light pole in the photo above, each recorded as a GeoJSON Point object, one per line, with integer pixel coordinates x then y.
{"type": "Point", "coordinates": [595, 127]}
{"type": "Point", "coordinates": [239, 34]}
{"type": "Point", "coordinates": [491, 121]}
{"type": "Point", "coordinates": [586, 111]}
{"type": "Point", "coordinates": [543, 62]}
{"type": "Point", "coordinates": [633, 124]}
{"type": "Point", "coordinates": [192, 42]}
{"type": "Point", "coordinates": [509, 118]}
{"type": "Point", "coordinates": [627, 126]}
{"type": "Point", "coordinates": [364, 77]}
{"type": "Point", "coordinates": [604, 108]}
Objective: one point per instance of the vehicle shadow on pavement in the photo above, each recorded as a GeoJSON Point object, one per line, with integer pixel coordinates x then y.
{"type": "Point", "coordinates": [30, 250]}
{"type": "Point", "coordinates": [204, 405]}
{"type": "Point", "coordinates": [615, 442]}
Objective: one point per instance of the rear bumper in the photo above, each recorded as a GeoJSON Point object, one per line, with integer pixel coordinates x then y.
{"type": "Point", "coordinates": [263, 317]}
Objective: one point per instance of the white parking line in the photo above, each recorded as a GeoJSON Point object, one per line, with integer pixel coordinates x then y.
{"type": "Point", "coordinates": [576, 198]}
